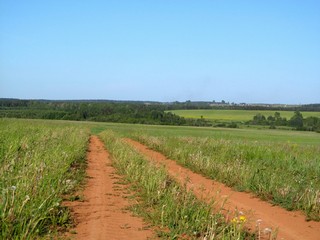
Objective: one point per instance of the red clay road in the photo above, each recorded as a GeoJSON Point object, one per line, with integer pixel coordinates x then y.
{"type": "Point", "coordinates": [102, 215]}
{"type": "Point", "coordinates": [290, 225]}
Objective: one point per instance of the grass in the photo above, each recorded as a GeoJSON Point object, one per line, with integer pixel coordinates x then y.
{"type": "Point", "coordinates": [40, 161]}
{"type": "Point", "coordinates": [36, 157]}
{"type": "Point", "coordinates": [284, 173]}
{"type": "Point", "coordinates": [177, 213]}
{"type": "Point", "coordinates": [235, 115]}
{"type": "Point", "coordinates": [261, 135]}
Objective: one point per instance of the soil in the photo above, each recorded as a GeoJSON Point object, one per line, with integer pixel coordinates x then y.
{"type": "Point", "coordinates": [103, 214]}
{"type": "Point", "coordinates": [262, 216]}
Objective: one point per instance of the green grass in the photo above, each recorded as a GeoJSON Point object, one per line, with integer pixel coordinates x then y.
{"type": "Point", "coordinates": [167, 205]}
{"type": "Point", "coordinates": [235, 115]}
{"type": "Point", "coordinates": [36, 155]}
{"type": "Point", "coordinates": [39, 162]}
{"type": "Point", "coordinates": [261, 135]}
{"type": "Point", "coordinates": [284, 173]}
{"type": "Point", "coordinates": [264, 161]}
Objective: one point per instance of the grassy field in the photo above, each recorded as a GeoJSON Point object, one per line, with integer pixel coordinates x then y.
{"type": "Point", "coordinates": [260, 135]}
{"type": "Point", "coordinates": [283, 173]}
{"type": "Point", "coordinates": [277, 165]}
{"type": "Point", "coordinates": [176, 212]}
{"type": "Point", "coordinates": [235, 115]}
{"type": "Point", "coordinates": [40, 161]}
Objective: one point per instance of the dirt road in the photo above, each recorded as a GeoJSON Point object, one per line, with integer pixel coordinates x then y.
{"type": "Point", "coordinates": [102, 214]}
{"type": "Point", "coordinates": [290, 225]}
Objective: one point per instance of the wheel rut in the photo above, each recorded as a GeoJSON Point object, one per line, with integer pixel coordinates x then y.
{"type": "Point", "coordinates": [262, 215]}
{"type": "Point", "coordinates": [103, 214]}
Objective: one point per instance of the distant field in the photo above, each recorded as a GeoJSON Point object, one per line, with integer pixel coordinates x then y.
{"type": "Point", "coordinates": [235, 115]}
{"type": "Point", "coordinates": [250, 135]}
{"type": "Point", "coordinates": [127, 130]}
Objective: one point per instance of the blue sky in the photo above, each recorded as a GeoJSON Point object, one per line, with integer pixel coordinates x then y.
{"type": "Point", "coordinates": [161, 50]}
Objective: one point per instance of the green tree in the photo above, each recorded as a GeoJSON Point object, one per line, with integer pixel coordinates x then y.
{"type": "Point", "coordinates": [259, 119]}
{"type": "Point", "coordinates": [296, 120]}
{"type": "Point", "coordinates": [312, 124]}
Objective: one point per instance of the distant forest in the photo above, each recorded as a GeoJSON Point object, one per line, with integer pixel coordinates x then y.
{"type": "Point", "coordinates": [134, 111]}
{"type": "Point", "coordinates": [94, 110]}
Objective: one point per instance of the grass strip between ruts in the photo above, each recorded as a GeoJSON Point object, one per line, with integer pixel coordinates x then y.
{"type": "Point", "coordinates": [176, 212]}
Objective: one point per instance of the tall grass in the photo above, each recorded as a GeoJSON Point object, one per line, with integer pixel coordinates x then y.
{"type": "Point", "coordinates": [37, 165]}
{"type": "Point", "coordinates": [283, 173]}
{"type": "Point", "coordinates": [163, 202]}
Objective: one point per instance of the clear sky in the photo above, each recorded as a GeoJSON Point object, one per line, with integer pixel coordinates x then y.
{"type": "Point", "coordinates": [162, 50]}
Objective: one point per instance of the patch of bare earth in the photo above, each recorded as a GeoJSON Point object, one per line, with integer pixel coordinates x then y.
{"type": "Point", "coordinates": [102, 214]}
{"type": "Point", "coordinates": [261, 214]}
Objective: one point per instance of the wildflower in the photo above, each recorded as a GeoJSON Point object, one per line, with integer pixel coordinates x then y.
{"type": "Point", "coordinates": [13, 188]}
{"type": "Point", "coordinates": [259, 221]}
{"type": "Point", "coordinates": [26, 200]}
{"type": "Point", "coordinates": [240, 219]}
{"type": "Point", "coordinates": [68, 181]}
{"type": "Point", "coordinates": [267, 230]}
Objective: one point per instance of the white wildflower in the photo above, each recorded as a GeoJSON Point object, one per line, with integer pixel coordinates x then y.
{"type": "Point", "coordinates": [267, 230]}
{"type": "Point", "coordinates": [259, 221]}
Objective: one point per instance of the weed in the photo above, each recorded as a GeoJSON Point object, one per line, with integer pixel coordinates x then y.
{"type": "Point", "coordinates": [175, 211]}
{"type": "Point", "coordinates": [285, 174]}
{"type": "Point", "coordinates": [39, 162]}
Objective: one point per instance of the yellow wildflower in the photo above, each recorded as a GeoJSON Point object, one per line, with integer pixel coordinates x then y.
{"type": "Point", "coordinates": [240, 219]}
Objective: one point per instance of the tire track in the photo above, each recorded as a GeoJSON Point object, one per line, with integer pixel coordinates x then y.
{"type": "Point", "coordinates": [102, 214]}
{"type": "Point", "coordinates": [290, 225]}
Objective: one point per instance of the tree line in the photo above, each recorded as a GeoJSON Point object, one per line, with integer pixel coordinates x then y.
{"type": "Point", "coordinates": [100, 111]}
{"type": "Point", "coordinates": [296, 121]}
{"type": "Point", "coordinates": [139, 112]}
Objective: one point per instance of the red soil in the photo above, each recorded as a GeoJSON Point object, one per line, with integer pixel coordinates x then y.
{"type": "Point", "coordinates": [102, 214]}
{"type": "Point", "coordinates": [290, 225]}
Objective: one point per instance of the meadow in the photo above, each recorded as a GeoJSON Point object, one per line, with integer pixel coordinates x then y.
{"type": "Point", "coordinates": [279, 166]}
{"type": "Point", "coordinates": [285, 174]}
{"type": "Point", "coordinates": [40, 162]}
{"type": "Point", "coordinates": [260, 135]}
{"type": "Point", "coordinates": [235, 115]}
{"type": "Point", "coordinates": [176, 212]}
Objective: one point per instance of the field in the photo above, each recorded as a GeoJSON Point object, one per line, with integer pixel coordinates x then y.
{"type": "Point", "coordinates": [170, 205]}
{"type": "Point", "coordinates": [42, 162]}
{"type": "Point", "coordinates": [235, 115]}
{"type": "Point", "coordinates": [285, 174]}
{"type": "Point", "coordinates": [276, 165]}
{"type": "Point", "coordinates": [261, 135]}
{"type": "Point", "coordinates": [39, 162]}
